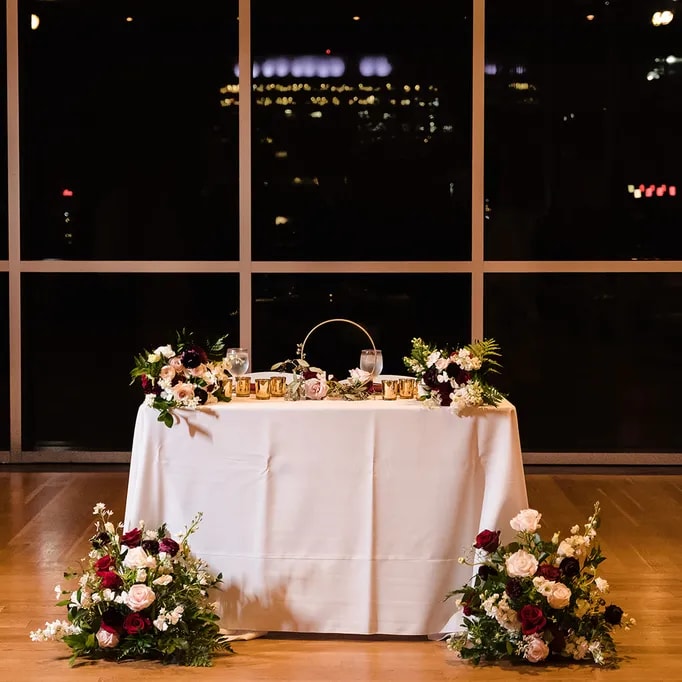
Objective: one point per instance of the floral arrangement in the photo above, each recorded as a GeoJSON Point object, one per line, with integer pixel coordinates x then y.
{"type": "Point", "coordinates": [141, 594]}
{"type": "Point", "coordinates": [313, 383]}
{"type": "Point", "coordinates": [533, 600]}
{"type": "Point", "coordinates": [457, 378]}
{"type": "Point", "coordinates": [187, 375]}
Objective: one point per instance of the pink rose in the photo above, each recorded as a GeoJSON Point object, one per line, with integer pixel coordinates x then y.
{"type": "Point", "coordinates": [198, 371]}
{"type": "Point", "coordinates": [315, 389]}
{"type": "Point", "coordinates": [167, 373]}
{"type": "Point", "coordinates": [176, 364]}
{"type": "Point", "coordinates": [139, 597]}
{"type": "Point", "coordinates": [183, 391]}
{"type": "Point", "coordinates": [521, 564]}
{"type": "Point", "coordinates": [106, 639]}
{"type": "Point", "coordinates": [559, 597]}
{"type": "Point", "coordinates": [537, 650]}
{"type": "Point", "coordinates": [527, 520]}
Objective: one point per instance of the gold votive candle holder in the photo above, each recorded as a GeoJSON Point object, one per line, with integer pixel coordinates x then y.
{"type": "Point", "coordinates": [263, 389]}
{"type": "Point", "coordinates": [278, 386]}
{"type": "Point", "coordinates": [243, 389]}
{"type": "Point", "coordinates": [407, 388]}
{"type": "Point", "coordinates": [389, 389]}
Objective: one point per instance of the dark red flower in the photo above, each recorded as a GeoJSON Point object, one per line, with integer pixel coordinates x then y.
{"type": "Point", "coordinates": [485, 571]}
{"type": "Point", "coordinates": [112, 621]}
{"type": "Point", "coordinates": [148, 386]}
{"type": "Point", "coordinates": [193, 356]}
{"type": "Point", "coordinates": [532, 619]}
{"type": "Point", "coordinates": [569, 566]}
{"type": "Point", "coordinates": [132, 538]}
{"type": "Point", "coordinates": [488, 540]}
{"type": "Point", "coordinates": [150, 546]}
{"type": "Point", "coordinates": [514, 588]}
{"type": "Point", "coordinates": [169, 546]}
{"type": "Point", "coordinates": [613, 614]}
{"type": "Point", "coordinates": [100, 540]}
{"type": "Point", "coordinates": [548, 572]}
{"type": "Point", "coordinates": [104, 564]}
{"type": "Point", "coordinates": [135, 623]}
{"type": "Point", "coordinates": [110, 579]}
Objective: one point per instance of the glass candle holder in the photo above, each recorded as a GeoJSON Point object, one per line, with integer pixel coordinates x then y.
{"type": "Point", "coordinates": [389, 389]}
{"type": "Point", "coordinates": [263, 389]}
{"type": "Point", "coordinates": [278, 386]}
{"type": "Point", "coordinates": [407, 388]}
{"type": "Point", "coordinates": [243, 389]}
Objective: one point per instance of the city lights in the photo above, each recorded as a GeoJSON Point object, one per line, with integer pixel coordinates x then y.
{"type": "Point", "coordinates": [662, 18]}
{"type": "Point", "coordinates": [649, 191]}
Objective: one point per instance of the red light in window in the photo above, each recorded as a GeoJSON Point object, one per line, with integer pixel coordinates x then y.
{"type": "Point", "coordinates": [327, 51]}
{"type": "Point", "coordinates": [67, 193]}
{"type": "Point", "coordinates": [672, 190]}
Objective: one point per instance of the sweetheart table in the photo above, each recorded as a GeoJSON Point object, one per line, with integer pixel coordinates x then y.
{"type": "Point", "coordinates": [331, 516]}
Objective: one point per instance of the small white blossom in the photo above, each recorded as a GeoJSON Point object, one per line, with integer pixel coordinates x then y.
{"type": "Point", "coordinates": [98, 508]}
{"type": "Point", "coordinates": [602, 585]}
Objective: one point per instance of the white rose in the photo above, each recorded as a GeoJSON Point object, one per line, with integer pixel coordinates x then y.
{"type": "Point", "coordinates": [526, 520]}
{"type": "Point", "coordinates": [521, 564]}
{"type": "Point", "coordinates": [537, 650]}
{"type": "Point", "coordinates": [138, 558]}
{"type": "Point", "coordinates": [559, 597]}
{"type": "Point", "coordinates": [166, 351]}
{"type": "Point", "coordinates": [442, 363]}
{"type": "Point", "coordinates": [106, 639]}
{"type": "Point", "coordinates": [139, 597]}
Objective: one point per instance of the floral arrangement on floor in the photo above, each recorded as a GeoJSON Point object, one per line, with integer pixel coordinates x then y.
{"type": "Point", "coordinates": [184, 375]}
{"type": "Point", "coordinates": [455, 378]}
{"type": "Point", "coordinates": [313, 383]}
{"type": "Point", "coordinates": [533, 600]}
{"type": "Point", "coordinates": [141, 594]}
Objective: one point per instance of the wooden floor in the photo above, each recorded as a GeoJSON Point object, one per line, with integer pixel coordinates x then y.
{"type": "Point", "coordinates": [45, 520]}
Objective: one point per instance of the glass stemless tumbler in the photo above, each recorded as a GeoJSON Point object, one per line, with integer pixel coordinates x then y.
{"type": "Point", "coordinates": [372, 361]}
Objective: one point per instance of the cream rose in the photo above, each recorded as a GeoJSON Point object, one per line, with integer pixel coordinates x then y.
{"type": "Point", "coordinates": [521, 564]}
{"type": "Point", "coordinates": [138, 558]}
{"type": "Point", "coordinates": [176, 363]}
{"type": "Point", "coordinates": [559, 597]}
{"type": "Point", "coordinates": [526, 520]}
{"type": "Point", "coordinates": [315, 389]}
{"type": "Point", "coordinates": [166, 373]}
{"type": "Point", "coordinates": [183, 391]}
{"type": "Point", "coordinates": [106, 639]}
{"type": "Point", "coordinates": [139, 597]}
{"type": "Point", "coordinates": [537, 650]}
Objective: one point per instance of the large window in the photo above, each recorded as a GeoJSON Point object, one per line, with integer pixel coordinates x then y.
{"type": "Point", "coordinates": [125, 153]}
{"type": "Point", "coordinates": [583, 103]}
{"type": "Point", "coordinates": [361, 131]}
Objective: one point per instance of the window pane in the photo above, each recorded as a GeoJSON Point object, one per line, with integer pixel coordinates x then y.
{"type": "Point", "coordinates": [3, 138]}
{"type": "Point", "coordinates": [80, 335]}
{"type": "Point", "coordinates": [4, 353]}
{"type": "Point", "coordinates": [590, 361]}
{"type": "Point", "coordinates": [361, 131]}
{"type": "Point", "coordinates": [125, 151]}
{"type": "Point", "coordinates": [582, 113]}
{"type": "Point", "coordinates": [392, 308]}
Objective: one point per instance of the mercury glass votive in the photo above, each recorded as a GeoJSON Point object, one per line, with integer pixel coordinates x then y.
{"type": "Point", "coordinates": [389, 389]}
{"type": "Point", "coordinates": [243, 389]}
{"type": "Point", "coordinates": [278, 386]}
{"type": "Point", "coordinates": [407, 388]}
{"type": "Point", "coordinates": [263, 389]}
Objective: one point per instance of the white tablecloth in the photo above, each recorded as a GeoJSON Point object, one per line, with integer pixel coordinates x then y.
{"type": "Point", "coordinates": [331, 516]}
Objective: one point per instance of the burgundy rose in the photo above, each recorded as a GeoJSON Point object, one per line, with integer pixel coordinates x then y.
{"type": "Point", "coordinates": [104, 564]}
{"type": "Point", "coordinates": [109, 579]}
{"type": "Point", "coordinates": [485, 571]}
{"type": "Point", "coordinates": [466, 608]}
{"type": "Point", "coordinates": [430, 378]}
{"type": "Point", "coordinates": [150, 546]}
{"type": "Point", "coordinates": [148, 386]}
{"type": "Point", "coordinates": [193, 356]}
{"type": "Point", "coordinates": [548, 572]}
{"type": "Point", "coordinates": [514, 588]}
{"type": "Point", "coordinates": [201, 394]}
{"type": "Point", "coordinates": [488, 540]}
{"type": "Point", "coordinates": [135, 623]}
{"type": "Point", "coordinates": [532, 619]}
{"type": "Point", "coordinates": [613, 614]}
{"type": "Point", "coordinates": [169, 546]}
{"type": "Point", "coordinates": [558, 639]}
{"type": "Point", "coordinates": [569, 566]}
{"type": "Point", "coordinates": [132, 538]}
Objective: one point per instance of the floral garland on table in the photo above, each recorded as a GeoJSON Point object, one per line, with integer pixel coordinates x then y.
{"type": "Point", "coordinates": [533, 600]}
{"type": "Point", "coordinates": [141, 594]}
{"type": "Point", "coordinates": [458, 378]}
{"type": "Point", "coordinates": [313, 383]}
{"type": "Point", "coordinates": [187, 375]}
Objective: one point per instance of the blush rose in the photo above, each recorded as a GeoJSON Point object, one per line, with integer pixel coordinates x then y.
{"type": "Point", "coordinates": [139, 597]}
